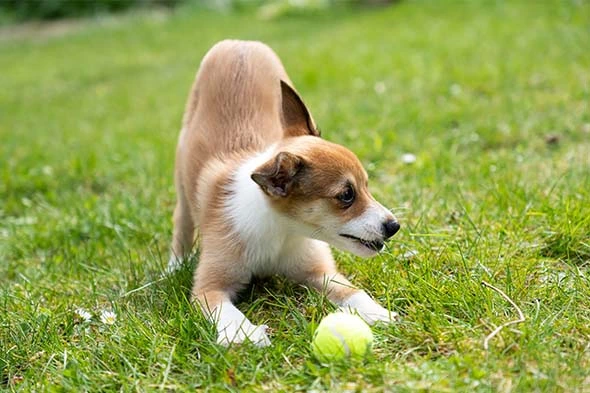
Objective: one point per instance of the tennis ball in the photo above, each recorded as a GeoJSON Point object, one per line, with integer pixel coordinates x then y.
{"type": "Point", "coordinates": [341, 336]}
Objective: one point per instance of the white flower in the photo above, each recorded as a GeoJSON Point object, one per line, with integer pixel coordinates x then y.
{"type": "Point", "coordinates": [380, 87]}
{"type": "Point", "coordinates": [410, 254]}
{"type": "Point", "coordinates": [408, 158]}
{"type": "Point", "coordinates": [455, 90]}
{"type": "Point", "coordinates": [108, 317]}
{"type": "Point", "coordinates": [84, 315]}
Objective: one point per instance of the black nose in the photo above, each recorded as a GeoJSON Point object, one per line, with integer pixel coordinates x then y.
{"type": "Point", "coordinates": [390, 228]}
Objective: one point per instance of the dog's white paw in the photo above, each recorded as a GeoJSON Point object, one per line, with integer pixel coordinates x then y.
{"type": "Point", "coordinates": [235, 334]}
{"type": "Point", "coordinates": [370, 311]}
{"type": "Point", "coordinates": [234, 328]}
{"type": "Point", "coordinates": [174, 264]}
{"type": "Point", "coordinates": [375, 315]}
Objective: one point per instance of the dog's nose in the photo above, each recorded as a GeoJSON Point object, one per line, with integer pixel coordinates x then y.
{"type": "Point", "coordinates": [390, 228]}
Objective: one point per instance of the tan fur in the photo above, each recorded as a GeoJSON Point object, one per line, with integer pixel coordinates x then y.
{"type": "Point", "coordinates": [241, 104]}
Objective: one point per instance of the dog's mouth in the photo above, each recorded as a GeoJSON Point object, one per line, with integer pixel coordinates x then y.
{"type": "Point", "coordinates": [375, 245]}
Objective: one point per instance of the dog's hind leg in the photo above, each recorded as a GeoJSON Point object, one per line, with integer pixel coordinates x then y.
{"type": "Point", "coordinates": [183, 235]}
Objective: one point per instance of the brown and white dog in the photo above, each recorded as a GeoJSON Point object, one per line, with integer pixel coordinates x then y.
{"type": "Point", "coordinates": [266, 192]}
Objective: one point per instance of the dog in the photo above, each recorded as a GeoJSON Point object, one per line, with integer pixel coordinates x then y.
{"type": "Point", "coordinates": [266, 193]}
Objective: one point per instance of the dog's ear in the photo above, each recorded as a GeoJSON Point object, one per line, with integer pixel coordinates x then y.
{"type": "Point", "coordinates": [276, 177]}
{"type": "Point", "coordinates": [296, 117]}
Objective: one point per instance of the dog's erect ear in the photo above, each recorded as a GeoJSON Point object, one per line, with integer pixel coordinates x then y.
{"type": "Point", "coordinates": [277, 176]}
{"type": "Point", "coordinates": [296, 117]}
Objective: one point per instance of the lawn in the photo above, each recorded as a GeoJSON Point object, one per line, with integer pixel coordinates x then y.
{"type": "Point", "coordinates": [491, 97]}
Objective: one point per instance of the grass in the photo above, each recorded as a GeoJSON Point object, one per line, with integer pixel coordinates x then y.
{"type": "Point", "coordinates": [491, 97]}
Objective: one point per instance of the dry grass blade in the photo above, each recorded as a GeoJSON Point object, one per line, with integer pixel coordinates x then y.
{"type": "Point", "coordinates": [497, 330]}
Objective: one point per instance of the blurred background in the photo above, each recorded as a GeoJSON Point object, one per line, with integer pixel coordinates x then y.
{"type": "Point", "coordinates": [56, 9]}
{"type": "Point", "coordinates": [472, 118]}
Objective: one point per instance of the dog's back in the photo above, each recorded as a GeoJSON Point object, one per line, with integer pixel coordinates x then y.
{"type": "Point", "coordinates": [235, 102]}
{"type": "Point", "coordinates": [234, 105]}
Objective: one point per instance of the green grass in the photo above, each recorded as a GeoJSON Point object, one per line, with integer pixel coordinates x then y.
{"type": "Point", "coordinates": [88, 126]}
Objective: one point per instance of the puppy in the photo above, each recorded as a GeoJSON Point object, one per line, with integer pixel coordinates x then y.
{"type": "Point", "coordinates": [266, 192]}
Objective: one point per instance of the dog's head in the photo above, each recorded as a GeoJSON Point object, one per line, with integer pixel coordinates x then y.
{"type": "Point", "coordinates": [322, 188]}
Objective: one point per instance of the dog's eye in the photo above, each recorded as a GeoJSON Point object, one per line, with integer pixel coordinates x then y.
{"type": "Point", "coordinates": [347, 197]}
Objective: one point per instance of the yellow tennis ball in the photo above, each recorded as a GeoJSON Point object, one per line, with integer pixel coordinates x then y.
{"type": "Point", "coordinates": [341, 336]}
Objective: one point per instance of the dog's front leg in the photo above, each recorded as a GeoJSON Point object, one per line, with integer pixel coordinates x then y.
{"type": "Point", "coordinates": [213, 291]}
{"type": "Point", "coordinates": [319, 271]}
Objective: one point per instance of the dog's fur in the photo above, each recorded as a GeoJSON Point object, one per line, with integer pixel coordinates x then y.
{"type": "Point", "coordinates": [266, 192]}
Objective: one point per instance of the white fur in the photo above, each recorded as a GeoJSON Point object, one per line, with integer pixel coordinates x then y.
{"type": "Point", "coordinates": [233, 327]}
{"type": "Point", "coordinates": [370, 311]}
{"type": "Point", "coordinates": [253, 220]}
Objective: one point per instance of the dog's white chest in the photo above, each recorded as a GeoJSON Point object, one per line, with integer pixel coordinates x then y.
{"type": "Point", "coordinates": [262, 230]}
